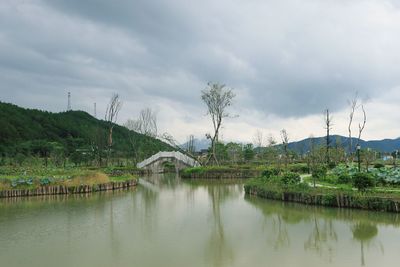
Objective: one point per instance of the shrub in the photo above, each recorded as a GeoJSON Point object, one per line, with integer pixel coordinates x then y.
{"type": "Point", "coordinates": [299, 168]}
{"type": "Point", "coordinates": [267, 173]}
{"type": "Point", "coordinates": [290, 178]}
{"type": "Point", "coordinates": [362, 181]}
{"type": "Point", "coordinates": [318, 172]}
{"type": "Point", "coordinates": [331, 165]}
{"type": "Point", "coordinates": [378, 165]}
{"type": "Point", "coordinates": [344, 178]}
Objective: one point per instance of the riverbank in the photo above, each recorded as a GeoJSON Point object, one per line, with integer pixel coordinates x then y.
{"type": "Point", "coordinates": [220, 172]}
{"type": "Point", "coordinates": [66, 190]}
{"type": "Point", "coordinates": [43, 181]}
{"type": "Point", "coordinates": [302, 193]}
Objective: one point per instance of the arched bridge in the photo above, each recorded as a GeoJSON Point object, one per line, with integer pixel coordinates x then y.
{"type": "Point", "coordinates": [156, 163]}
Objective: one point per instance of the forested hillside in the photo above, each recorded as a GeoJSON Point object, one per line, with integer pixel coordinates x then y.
{"type": "Point", "coordinates": [31, 132]}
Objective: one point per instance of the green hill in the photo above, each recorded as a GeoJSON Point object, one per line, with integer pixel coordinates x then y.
{"type": "Point", "coordinates": [31, 132]}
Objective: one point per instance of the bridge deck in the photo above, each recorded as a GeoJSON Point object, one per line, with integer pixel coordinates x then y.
{"type": "Point", "coordinates": [173, 154]}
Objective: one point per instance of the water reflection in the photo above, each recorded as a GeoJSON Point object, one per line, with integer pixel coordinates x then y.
{"type": "Point", "coordinates": [167, 221]}
{"type": "Point", "coordinates": [323, 238]}
{"type": "Point", "coordinates": [365, 233]}
{"type": "Point", "coordinates": [218, 248]}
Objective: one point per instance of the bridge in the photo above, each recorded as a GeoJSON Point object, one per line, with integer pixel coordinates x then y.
{"type": "Point", "coordinates": [157, 162]}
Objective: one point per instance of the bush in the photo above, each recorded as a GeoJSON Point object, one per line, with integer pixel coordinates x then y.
{"type": "Point", "coordinates": [267, 173]}
{"type": "Point", "coordinates": [299, 168]}
{"type": "Point", "coordinates": [362, 181]}
{"type": "Point", "coordinates": [331, 165]}
{"type": "Point", "coordinates": [290, 178]}
{"type": "Point", "coordinates": [344, 178]}
{"type": "Point", "coordinates": [378, 165]}
{"type": "Point", "coordinates": [318, 172]}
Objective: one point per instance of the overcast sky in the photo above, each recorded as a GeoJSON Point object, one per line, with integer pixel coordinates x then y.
{"type": "Point", "coordinates": [287, 61]}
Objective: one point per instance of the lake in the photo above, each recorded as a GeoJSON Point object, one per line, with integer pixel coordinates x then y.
{"type": "Point", "coordinates": [166, 221]}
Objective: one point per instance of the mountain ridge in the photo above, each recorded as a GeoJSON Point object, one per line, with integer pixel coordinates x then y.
{"type": "Point", "coordinates": [27, 131]}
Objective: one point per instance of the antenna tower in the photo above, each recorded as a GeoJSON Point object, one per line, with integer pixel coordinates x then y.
{"type": "Point", "coordinates": [69, 101]}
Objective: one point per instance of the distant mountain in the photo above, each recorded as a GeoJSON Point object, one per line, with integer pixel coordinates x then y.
{"type": "Point", "coordinates": [199, 144]}
{"type": "Point", "coordinates": [385, 145]}
{"type": "Point", "coordinates": [27, 131]}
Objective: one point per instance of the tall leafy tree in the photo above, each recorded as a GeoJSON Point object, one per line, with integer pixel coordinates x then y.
{"type": "Point", "coordinates": [218, 98]}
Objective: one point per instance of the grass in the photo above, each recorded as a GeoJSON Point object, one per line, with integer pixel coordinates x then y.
{"type": "Point", "coordinates": [303, 193]}
{"type": "Point", "coordinates": [34, 177]}
{"type": "Point", "coordinates": [88, 178]}
{"type": "Point", "coordinates": [272, 185]}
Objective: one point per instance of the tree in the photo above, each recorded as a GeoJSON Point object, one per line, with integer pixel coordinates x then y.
{"type": "Point", "coordinates": [190, 147]}
{"type": "Point", "coordinates": [328, 127]}
{"type": "Point", "coordinates": [362, 181]}
{"type": "Point", "coordinates": [145, 124]}
{"type": "Point", "coordinates": [258, 141]}
{"type": "Point", "coordinates": [368, 157]}
{"type": "Point", "coordinates": [361, 125]}
{"type": "Point", "coordinates": [285, 144]}
{"type": "Point", "coordinates": [218, 98]}
{"type": "Point", "coordinates": [234, 151]}
{"type": "Point", "coordinates": [353, 106]}
{"type": "Point", "coordinates": [111, 116]}
{"type": "Point", "coordinates": [248, 152]}
{"type": "Point", "coordinates": [271, 153]}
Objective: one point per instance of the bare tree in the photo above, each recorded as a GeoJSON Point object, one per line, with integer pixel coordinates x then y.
{"type": "Point", "coordinates": [361, 125]}
{"type": "Point", "coordinates": [190, 147]}
{"type": "Point", "coordinates": [353, 106]}
{"type": "Point", "coordinates": [271, 140]}
{"type": "Point", "coordinates": [218, 98]}
{"type": "Point", "coordinates": [285, 144]}
{"type": "Point", "coordinates": [270, 152]}
{"type": "Point", "coordinates": [145, 124]}
{"type": "Point", "coordinates": [258, 139]}
{"type": "Point", "coordinates": [111, 116]}
{"type": "Point", "coordinates": [328, 127]}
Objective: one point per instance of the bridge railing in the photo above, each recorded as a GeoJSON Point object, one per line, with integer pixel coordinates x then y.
{"type": "Point", "coordinates": [174, 154]}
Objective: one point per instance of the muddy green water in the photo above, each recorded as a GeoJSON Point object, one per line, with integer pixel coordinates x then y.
{"type": "Point", "coordinates": [169, 222]}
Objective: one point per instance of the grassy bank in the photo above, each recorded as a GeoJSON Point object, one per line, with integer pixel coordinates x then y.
{"type": "Point", "coordinates": [294, 191]}
{"type": "Point", "coordinates": [33, 178]}
{"type": "Point", "coordinates": [222, 172]}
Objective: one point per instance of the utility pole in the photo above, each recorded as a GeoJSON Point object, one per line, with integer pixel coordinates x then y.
{"type": "Point", "coordinates": [69, 101]}
{"type": "Point", "coordinates": [95, 112]}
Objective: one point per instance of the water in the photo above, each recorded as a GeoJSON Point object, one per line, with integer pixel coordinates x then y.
{"type": "Point", "coordinates": [169, 222]}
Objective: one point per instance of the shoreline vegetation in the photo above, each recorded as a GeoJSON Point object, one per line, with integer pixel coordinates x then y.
{"type": "Point", "coordinates": [235, 171]}
{"type": "Point", "coordinates": [221, 172]}
{"type": "Point", "coordinates": [358, 190]}
{"type": "Point", "coordinates": [19, 182]}
{"type": "Point", "coordinates": [342, 186]}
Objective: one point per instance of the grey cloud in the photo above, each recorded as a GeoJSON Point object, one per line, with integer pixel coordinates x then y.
{"type": "Point", "coordinates": [291, 58]}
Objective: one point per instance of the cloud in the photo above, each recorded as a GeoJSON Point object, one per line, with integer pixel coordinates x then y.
{"type": "Point", "coordinates": [287, 60]}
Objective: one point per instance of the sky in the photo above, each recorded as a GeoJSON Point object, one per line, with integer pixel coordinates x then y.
{"type": "Point", "coordinates": [286, 61]}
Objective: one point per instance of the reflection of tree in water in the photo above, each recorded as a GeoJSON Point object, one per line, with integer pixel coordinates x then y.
{"type": "Point", "coordinates": [232, 188]}
{"type": "Point", "coordinates": [115, 244]}
{"type": "Point", "coordinates": [281, 215]}
{"type": "Point", "coordinates": [145, 206]}
{"type": "Point", "coordinates": [322, 237]}
{"type": "Point", "coordinates": [281, 238]}
{"type": "Point", "coordinates": [219, 250]}
{"type": "Point", "coordinates": [365, 233]}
